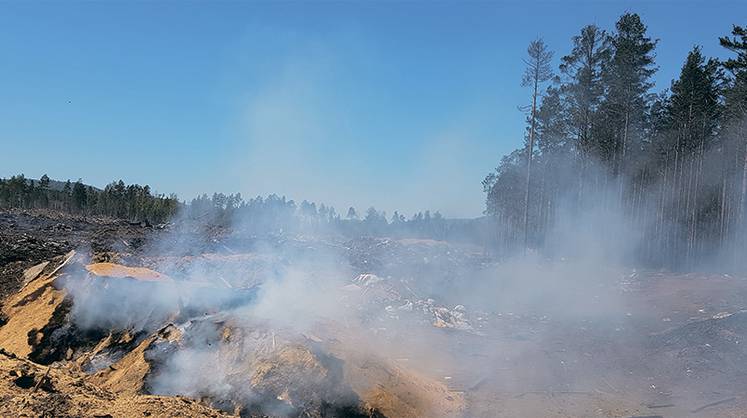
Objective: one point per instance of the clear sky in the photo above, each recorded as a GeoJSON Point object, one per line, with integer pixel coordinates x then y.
{"type": "Point", "coordinates": [397, 105]}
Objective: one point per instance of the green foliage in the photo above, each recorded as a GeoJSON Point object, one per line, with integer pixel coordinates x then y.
{"type": "Point", "coordinates": [133, 202]}
{"type": "Point", "coordinates": [675, 163]}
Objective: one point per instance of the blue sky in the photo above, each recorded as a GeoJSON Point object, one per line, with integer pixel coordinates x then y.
{"type": "Point", "coordinates": [397, 105]}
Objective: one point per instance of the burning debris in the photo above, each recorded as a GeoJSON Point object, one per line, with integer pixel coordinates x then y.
{"type": "Point", "coordinates": [28, 389]}
{"type": "Point", "coordinates": [151, 344]}
{"type": "Point", "coordinates": [293, 328]}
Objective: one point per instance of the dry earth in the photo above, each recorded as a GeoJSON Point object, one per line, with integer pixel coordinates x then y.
{"type": "Point", "coordinates": [671, 345]}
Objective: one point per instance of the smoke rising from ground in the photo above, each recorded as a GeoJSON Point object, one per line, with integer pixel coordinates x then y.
{"type": "Point", "coordinates": [306, 286]}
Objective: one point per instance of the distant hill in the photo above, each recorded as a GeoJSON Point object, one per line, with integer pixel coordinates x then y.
{"type": "Point", "coordinates": [58, 185]}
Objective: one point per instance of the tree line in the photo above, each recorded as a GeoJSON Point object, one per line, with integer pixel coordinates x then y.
{"type": "Point", "coordinates": [674, 163]}
{"type": "Point", "coordinates": [271, 215]}
{"type": "Point", "coordinates": [278, 215]}
{"type": "Point", "coordinates": [117, 199]}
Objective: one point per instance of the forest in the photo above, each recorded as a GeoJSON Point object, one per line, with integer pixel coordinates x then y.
{"type": "Point", "coordinates": [601, 146]}
{"type": "Point", "coordinates": [600, 140]}
{"type": "Point", "coordinates": [260, 216]}
{"type": "Point", "coordinates": [132, 202]}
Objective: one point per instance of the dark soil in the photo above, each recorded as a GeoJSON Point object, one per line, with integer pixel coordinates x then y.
{"type": "Point", "coordinates": [28, 237]}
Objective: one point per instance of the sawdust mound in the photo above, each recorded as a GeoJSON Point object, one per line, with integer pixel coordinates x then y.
{"type": "Point", "coordinates": [129, 374]}
{"type": "Point", "coordinates": [120, 271]}
{"type": "Point", "coordinates": [36, 327]}
{"type": "Point", "coordinates": [50, 367]}
{"type": "Point", "coordinates": [395, 391]}
{"type": "Point", "coordinates": [306, 383]}
{"type": "Point", "coordinates": [34, 311]}
{"type": "Point", "coordinates": [31, 390]}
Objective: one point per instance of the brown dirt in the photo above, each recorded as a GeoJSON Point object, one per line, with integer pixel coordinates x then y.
{"type": "Point", "coordinates": [120, 271]}
{"type": "Point", "coordinates": [281, 368]}
{"type": "Point", "coordinates": [63, 393]}
{"type": "Point", "coordinates": [30, 311]}
{"type": "Point", "coordinates": [396, 391]}
{"type": "Point", "coordinates": [664, 348]}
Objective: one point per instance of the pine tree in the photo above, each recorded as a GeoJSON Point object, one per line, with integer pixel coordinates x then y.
{"type": "Point", "coordinates": [537, 72]}
{"type": "Point", "coordinates": [688, 125]}
{"type": "Point", "coordinates": [627, 81]}
{"type": "Point", "coordinates": [79, 196]}
{"type": "Point", "coordinates": [736, 121]}
{"type": "Point", "coordinates": [583, 88]}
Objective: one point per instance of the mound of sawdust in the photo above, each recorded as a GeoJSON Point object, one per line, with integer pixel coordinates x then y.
{"type": "Point", "coordinates": [289, 372]}
{"type": "Point", "coordinates": [32, 309]}
{"type": "Point", "coordinates": [302, 379]}
{"type": "Point", "coordinates": [399, 392]}
{"type": "Point", "coordinates": [30, 390]}
{"type": "Point", "coordinates": [129, 374]}
{"type": "Point", "coordinates": [120, 271]}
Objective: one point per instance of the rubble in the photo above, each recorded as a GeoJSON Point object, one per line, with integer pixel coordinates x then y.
{"type": "Point", "coordinates": [453, 319]}
{"type": "Point", "coordinates": [271, 374]}
{"type": "Point", "coordinates": [191, 347]}
{"type": "Point", "coordinates": [379, 292]}
{"type": "Point", "coordinates": [31, 390]}
{"type": "Point", "coordinates": [32, 314]}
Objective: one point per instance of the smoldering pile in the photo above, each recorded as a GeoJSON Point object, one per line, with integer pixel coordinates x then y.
{"type": "Point", "coordinates": [131, 331]}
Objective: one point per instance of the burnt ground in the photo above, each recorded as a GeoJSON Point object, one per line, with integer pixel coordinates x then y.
{"type": "Point", "coordinates": [623, 344]}
{"type": "Point", "coordinates": [28, 237]}
{"type": "Point", "coordinates": [669, 346]}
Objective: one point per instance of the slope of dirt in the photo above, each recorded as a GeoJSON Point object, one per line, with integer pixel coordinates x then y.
{"type": "Point", "coordinates": [31, 312]}
{"type": "Point", "coordinates": [28, 237]}
{"type": "Point", "coordinates": [31, 390]}
{"type": "Point", "coordinates": [34, 314]}
{"type": "Point", "coordinates": [270, 374]}
{"type": "Point", "coordinates": [398, 392]}
{"type": "Point", "coordinates": [120, 271]}
{"type": "Point", "coordinates": [405, 345]}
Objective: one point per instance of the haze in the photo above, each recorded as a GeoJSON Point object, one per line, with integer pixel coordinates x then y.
{"type": "Point", "coordinates": [401, 106]}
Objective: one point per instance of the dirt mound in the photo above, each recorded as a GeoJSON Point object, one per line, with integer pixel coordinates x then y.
{"type": "Point", "coordinates": [119, 271]}
{"type": "Point", "coordinates": [129, 374]}
{"type": "Point", "coordinates": [253, 370]}
{"type": "Point", "coordinates": [31, 390]}
{"type": "Point", "coordinates": [34, 311]}
{"type": "Point", "coordinates": [398, 392]}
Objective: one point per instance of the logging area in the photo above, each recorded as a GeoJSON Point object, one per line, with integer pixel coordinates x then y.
{"type": "Point", "coordinates": [606, 277]}
{"type": "Point", "coordinates": [187, 321]}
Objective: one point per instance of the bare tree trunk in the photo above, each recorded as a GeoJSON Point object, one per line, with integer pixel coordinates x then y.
{"type": "Point", "coordinates": [722, 212]}
{"type": "Point", "coordinates": [663, 188]}
{"type": "Point", "coordinates": [743, 191]}
{"type": "Point", "coordinates": [621, 164]}
{"type": "Point", "coordinates": [530, 150]}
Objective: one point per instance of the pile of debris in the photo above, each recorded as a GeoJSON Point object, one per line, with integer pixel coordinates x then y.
{"type": "Point", "coordinates": [389, 256]}
{"type": "Point", "coordinates": [28, 389]}
{"type": "Point", "coordinates": [398, 300]}
{"type": "Point", "coordinates": [169, 347]}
